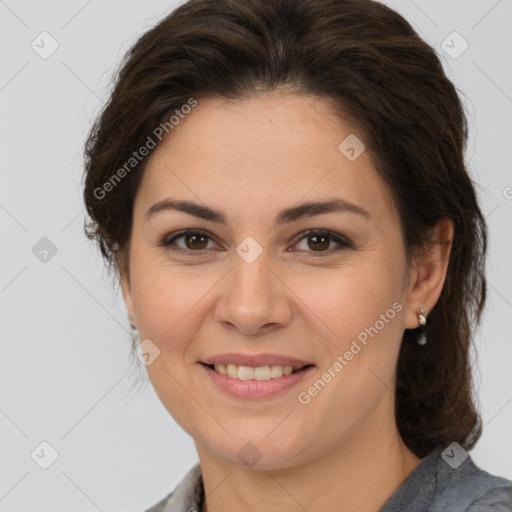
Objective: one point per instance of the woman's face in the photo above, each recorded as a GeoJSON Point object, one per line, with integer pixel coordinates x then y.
{"type": "Point", "coordinates": [259, 284]}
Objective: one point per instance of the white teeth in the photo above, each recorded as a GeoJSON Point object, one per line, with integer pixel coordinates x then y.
{"type": "Point", "coordinates": [245, 373]}
{"type": "Point", "coordinates": [276, 371]}
{"type": "Point", "coordinates": [232, 370]}
{"type": "Point", "coordinates": [287, 370]}
{"type": "Point", "coordinates": [249, 373]}
{"type": "Point", "coordinates": [261, 373]}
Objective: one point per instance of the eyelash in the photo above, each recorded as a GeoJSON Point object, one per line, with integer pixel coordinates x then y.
{"type": "Point", "coordinates": [169, 240]}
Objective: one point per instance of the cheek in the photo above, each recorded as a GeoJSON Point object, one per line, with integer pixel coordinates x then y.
{"type": "Point", "coordinates": [347, 301]}
{"type": "Point", "coordinates": [160, 295]}
{"type": "Point", "coordinates": [173, 305]}
{"type": "Point", "coordinates": [360, 315]}
{"type": "Point", "coordinates": [364, 319]}
{"type": "Point", "coordinates": [164, 302]}
{"type": "Point", "coordinates": [168, 307]}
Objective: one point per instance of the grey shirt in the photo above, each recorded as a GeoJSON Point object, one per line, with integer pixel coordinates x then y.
{"type": "Point", "coordinates": [433, 486]}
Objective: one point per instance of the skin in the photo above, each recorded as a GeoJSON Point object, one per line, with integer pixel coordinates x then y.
{"type": "Point", "coordinates": [250, 159]}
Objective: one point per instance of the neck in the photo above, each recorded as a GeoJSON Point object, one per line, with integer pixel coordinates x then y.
{"type": "Point", "coordinates": [360, 475]}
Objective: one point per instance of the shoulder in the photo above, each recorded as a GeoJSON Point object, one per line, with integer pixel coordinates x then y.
{"type": "Point", "coordinates": [187, 495]}
{"type": "Point", "coordinates": [465, 487]}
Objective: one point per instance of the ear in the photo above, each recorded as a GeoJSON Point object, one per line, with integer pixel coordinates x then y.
{"type": "Point", "coordinates": [127, 296]}
{"type": "Point", "coordinates": [428, 272]}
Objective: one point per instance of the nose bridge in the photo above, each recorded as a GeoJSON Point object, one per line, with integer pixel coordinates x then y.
{"type": "Point", "coordinates": [254, 296]}
{"type": "Point", "coordinates": [251, 285]}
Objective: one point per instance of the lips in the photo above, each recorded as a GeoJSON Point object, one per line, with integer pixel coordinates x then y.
{"type": "Point", "coordinates": [255, 382]}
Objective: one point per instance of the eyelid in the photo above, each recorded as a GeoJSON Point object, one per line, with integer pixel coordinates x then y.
{"type": "Point", "coordinates": [168, 240]}
{"type": "Point", "coordinates": [343, 243]}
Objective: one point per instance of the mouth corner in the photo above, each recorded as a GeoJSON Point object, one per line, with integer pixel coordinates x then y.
{"type": "Point", "coordinates": [305, 367]}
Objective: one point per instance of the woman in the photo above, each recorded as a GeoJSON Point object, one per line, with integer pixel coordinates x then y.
{"type": "Point", "coordinates": [280, 187]}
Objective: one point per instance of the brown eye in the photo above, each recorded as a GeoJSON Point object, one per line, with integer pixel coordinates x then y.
{"type": "Point", "coordinates": [192, 242]}
{"type": "Point", "coordinates": [319, 241]}
{"type": "Point", "coordinates": [195, 241]}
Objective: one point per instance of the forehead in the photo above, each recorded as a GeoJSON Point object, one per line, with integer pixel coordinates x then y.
{"type": "Point", "coordinates": [261, 153]}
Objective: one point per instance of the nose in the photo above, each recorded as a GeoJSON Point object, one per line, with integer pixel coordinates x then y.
{"type": "Point", "coordinates": [255, 298]}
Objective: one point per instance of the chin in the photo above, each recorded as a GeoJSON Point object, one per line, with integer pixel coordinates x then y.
{"type": "Point", "coordinates": [259, 449]}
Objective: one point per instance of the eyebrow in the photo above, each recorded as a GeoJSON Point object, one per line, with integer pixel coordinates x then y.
{"type": "Point", "coordinates": [292, 214]}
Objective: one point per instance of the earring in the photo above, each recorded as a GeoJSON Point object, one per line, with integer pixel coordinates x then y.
{"type": "Point", "coordinates": [422, 320]}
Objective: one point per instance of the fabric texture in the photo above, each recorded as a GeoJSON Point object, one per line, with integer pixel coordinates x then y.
{"type": "Point", "coordinates": [433, 486]}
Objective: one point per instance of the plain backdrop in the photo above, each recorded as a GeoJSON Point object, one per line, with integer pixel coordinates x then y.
{"type": "Point", "coordinates": [66, 368]}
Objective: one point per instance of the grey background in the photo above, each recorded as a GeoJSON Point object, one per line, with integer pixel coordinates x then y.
{"type": "Point", "coordinates": [67, 373]}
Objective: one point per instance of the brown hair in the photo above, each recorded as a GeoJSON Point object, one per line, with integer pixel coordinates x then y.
{"type": "Point", "coordinates": [380, 75]}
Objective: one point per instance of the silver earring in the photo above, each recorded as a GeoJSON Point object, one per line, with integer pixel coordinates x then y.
{"type": "Point", "coordinates": [422, 320]}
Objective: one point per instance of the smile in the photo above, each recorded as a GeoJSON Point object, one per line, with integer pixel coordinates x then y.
{"type": "Point", "coordinates": [254, 382]}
